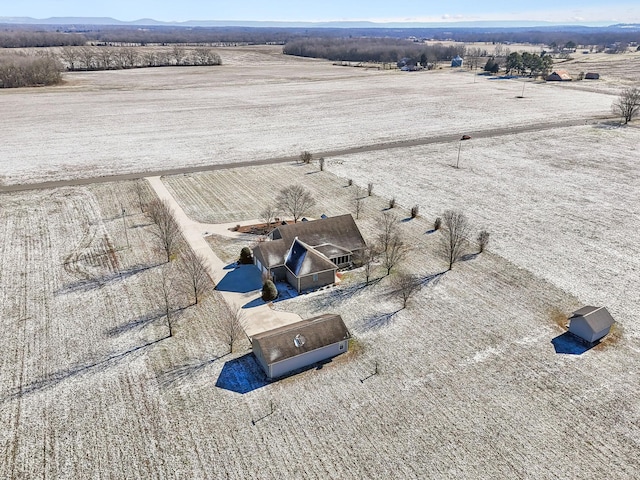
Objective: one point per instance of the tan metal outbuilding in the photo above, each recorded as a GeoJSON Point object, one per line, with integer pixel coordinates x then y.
{"type": "Point", "coordinates": [591, 323]}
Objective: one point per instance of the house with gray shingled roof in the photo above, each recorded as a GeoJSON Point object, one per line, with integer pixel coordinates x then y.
{"type": "Point", "coordinates": [308, 254]}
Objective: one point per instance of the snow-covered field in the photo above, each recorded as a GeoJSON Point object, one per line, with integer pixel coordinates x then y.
{"type": "Point", "coordinates": [476, 379]}
{"type": "Point", "coordinates": [258, 104]}
{"type": "Point", "coordinates": [564, 205]}
{"type": "Point", "coordinates": [470, 384]}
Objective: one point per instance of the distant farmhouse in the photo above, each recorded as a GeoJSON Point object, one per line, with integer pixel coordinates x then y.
{"type": "Point", "coordinates": [298, 345]}
{"type": "Point", "coordinates": [308, 254]}
{"type": "Point", "coordinates": [591, 323]}
{"type": "Point", "coordinates": [559, 76]}
{"type": "Point", "coordinates": [456, 61]}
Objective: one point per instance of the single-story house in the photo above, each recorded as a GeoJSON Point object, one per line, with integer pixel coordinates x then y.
{"type": "Point", "coordinates": [457, 61]}
{"type": "Point", "coordinates": [301, 344]}
{"type": "Point", "coordinates": [559, 76]}
{"type": "Point", "coordinates": [309, 249]}
{"type": "Point", "coordinates": [591, 323]}
{"type": "Point", "coordinates": [592, 76]}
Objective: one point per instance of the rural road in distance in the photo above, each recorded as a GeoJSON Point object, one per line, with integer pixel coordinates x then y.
{"type": "Point", "coordinates": [327, 154]}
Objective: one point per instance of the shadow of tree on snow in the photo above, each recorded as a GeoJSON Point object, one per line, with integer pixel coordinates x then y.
{"type": "Point", "coordinates": [178, 374]}
{"type": "Point", "coordinates": [60, 376]}
{"type": "Point", "coordinates": [92, 283]}
{"type": "Point", "coordinates": [375, 321]}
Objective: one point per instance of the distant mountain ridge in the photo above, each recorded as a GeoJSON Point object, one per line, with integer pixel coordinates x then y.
{"type": "Point", "coordinates": [287, 24]}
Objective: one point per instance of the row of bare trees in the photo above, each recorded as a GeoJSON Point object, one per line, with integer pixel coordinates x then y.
{"type": "Point", "coordinates": [390, 250]}
{"type": "Point", "coordinates": [185, 273]}
{"type": "Point", "coordinates": [114, 58]}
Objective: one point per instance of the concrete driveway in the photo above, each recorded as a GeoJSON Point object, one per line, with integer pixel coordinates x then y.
{"type": "Point", "coordinates": [241, 286]}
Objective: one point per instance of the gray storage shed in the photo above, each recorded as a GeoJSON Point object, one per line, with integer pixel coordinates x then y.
{"type": "Point", "coordinates": [291, 347]}
{"type": "Point", "coordinates": [591, 323]}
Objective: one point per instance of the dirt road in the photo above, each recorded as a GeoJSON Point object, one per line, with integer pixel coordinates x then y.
{"type": "Point", "coordinates": [327, 154]}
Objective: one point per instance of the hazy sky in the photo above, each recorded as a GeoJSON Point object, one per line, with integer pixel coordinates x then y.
{"type": "Point", "coordinates": [566, 11]}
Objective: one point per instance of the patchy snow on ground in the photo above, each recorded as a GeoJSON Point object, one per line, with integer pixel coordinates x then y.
{"type": "Point", "coordinates": [258, 104]}
{"type": "Point", "coordinates": [564, 205]}
{"type": "Point", "coordinates": [469, 383]}
{"type": "Point", "coordinates": [474, 379]}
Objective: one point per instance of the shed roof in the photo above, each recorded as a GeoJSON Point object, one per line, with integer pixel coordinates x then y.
{"type": "Point", "coordinates": [301, 337]}
{"type": "Point", "coordinates": [597, 318]}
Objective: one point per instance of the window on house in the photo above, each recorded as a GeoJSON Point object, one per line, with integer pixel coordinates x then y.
{"type": "Point", "coordinates": [315, 277]}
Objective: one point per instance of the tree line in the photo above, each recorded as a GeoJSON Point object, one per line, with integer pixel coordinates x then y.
{"type": "Point", "coordinates": [115, 58]}
{"type": "Point", "coordinates": [23, 70]}
{"type": "Point", "coordinates": [528, 63]}
{"type": "Point", "coordinates": [26, 39]}
{"type": "Point", "coordinates": [383, 50]}
{"type": "Point", "coordinates": [20, 69]}
{"type": "Point", "coordinates": [61, 35]}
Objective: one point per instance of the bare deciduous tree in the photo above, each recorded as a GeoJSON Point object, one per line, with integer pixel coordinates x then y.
{"type": "Point", "coordinates": [70, 56]}
{"type": "Point", "coordinates": [167, 229]}
{"type": "Point", "coordinates": [295, 200]}
{"type": "Point", "coordinates": [395, 252]}
{"type": "Point", "coordinates": [87, 57]}
{"type": "Point", "coordinates": [268, 215]}
{"type": "Point", "coordinates": [405, 286]}
{"type": "Point", "coordinates": [483, 240]}
{"type": "Point", "coordinates": [390, 244]}
{"type": "Point", "coordinates": [229, 325]}
{"type": "Point", "coordinates": [141, 193]}
{"type": "Point", "coordinates": [194, 274]}
{"type": "Point", "coordinates": [454, 235]}
{"type": "Point", "coordinates": [627, 105]}
{"type": "Point", "coordinates": [306, 157]}
{"type": "Point", "coordinates": [388, 228]}
{"type": "Point", "coordinates": [358, 202]}
{"type": "Point", "coordinates": [128, 57]}
{"type": "Point", "coordinates": [167, 293]}
{"type": "Point", "coordinates": [366, 258]}
{"type": "Point", "coordinates": [179, 54]}
{"type": "Point", "coordinates": [105, 58]}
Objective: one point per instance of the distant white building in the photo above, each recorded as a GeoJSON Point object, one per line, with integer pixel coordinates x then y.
{"type": "Point", "coordinates": [591, 323]}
